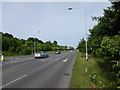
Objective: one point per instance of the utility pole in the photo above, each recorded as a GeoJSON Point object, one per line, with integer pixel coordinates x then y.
{"type": "Point", "coordinates": [34, 43]}
{"type": "Point", "coordinates": [85, 29]}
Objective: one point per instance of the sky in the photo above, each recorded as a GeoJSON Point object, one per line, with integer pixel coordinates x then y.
{"type": "Point", "coordinates": [49, 21]}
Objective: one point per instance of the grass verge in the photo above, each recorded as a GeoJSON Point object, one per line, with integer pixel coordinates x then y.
{"type": "Point", "coordinates": [50, 51]}
{"type": "Point", "coordinates": [86, 74]}
{"type": "Point", "coordinates": [9, 54]}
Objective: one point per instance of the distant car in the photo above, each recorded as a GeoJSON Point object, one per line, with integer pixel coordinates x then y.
{"type": "Point", "coordinates": [41, 54]}
{"type": "Point", "coordinates": [57, 52]}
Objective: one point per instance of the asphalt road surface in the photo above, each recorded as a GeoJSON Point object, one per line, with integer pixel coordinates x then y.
{"type": "Point", "coordinates": [27, 72]}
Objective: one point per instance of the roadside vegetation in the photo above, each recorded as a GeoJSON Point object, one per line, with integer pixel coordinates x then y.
{"type": "Point", "coordinates": [87, 74]}
{"type": "Point", "coordinates": [104, 43]}
{"type": "Point", "coordinates": [12, 46]}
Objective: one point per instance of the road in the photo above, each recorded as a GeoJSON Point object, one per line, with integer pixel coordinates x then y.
{"type": "Point", "coordinates": [27, 72]}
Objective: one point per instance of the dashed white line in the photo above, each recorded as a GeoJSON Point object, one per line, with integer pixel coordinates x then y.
{"type": "Point", "coordinates": [45, 65]}
{"type": "Point", "coordinates": [28, 59]}
{"type": "Point", "coordinates": [17, 58]}
{"type": "Point", "coordinates": [12, 61]}
{"type": "Point", "coordinates": [65, 60]}
{"type": "Point", "coordinates": [42, 60]}
{"type": "Point", "coordinates": [17, 65]}
{"type": "Point", "coordinates": [49, 63]}
{"type": "Point", "coordinates": [13, 81]}
{"type": "Point", "coordinates": [57, 59]}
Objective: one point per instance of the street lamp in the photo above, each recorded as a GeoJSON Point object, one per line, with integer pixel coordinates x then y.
{"type": "Point", "coordinates": [70, 8]}
{"type": "Point", "coordinates": [34, 45]}
{"type": "Point", "coordinates": [34, 42]}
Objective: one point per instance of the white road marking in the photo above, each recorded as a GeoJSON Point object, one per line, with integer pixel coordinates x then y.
{"type": "Point", "coordinates": [13, 81]}
{"type": "Point", "coordinates": [28, 58]}
{"type": "Point", "coordinates": [65, 60]}
{"type": "Point", "coordinates": [17, 65]}
{"type": "Point", "coordinates": [44, 65]}
{"type": "Point", "coordinates": [42, 60]}
{"type": "Point", "coordinates": [48, 63]}
{"type": "Point", "coordinates": [57, 59]}
{"type": "Point", "coordinates": [17, 58]}
{"type": "Point", "coordinates": [14, 61]}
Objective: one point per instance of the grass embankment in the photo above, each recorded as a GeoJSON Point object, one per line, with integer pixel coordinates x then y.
{"type": "Point", "coordinates": [9, 54]}
{"type": "Point", "coordinates": [86, 74]}
{"type": "Point", "coordinates": [50, 51]}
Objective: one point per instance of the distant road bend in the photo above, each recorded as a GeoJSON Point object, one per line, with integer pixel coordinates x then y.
{"type": "Point", "coordinates": [27, 72]}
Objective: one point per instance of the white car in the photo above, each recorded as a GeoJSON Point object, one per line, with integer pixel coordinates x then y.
{"type": "Point", "coordinates": [57, 52]}
{"type": "Point", "coordinates": [41, 54]}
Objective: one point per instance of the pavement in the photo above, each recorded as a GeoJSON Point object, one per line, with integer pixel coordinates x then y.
{"type": "Point", "coordinates": [27, 72]}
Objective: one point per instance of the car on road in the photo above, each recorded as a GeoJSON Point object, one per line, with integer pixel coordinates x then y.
{"type": "Point", "coordinates": [57, 52]}
{"type": "Point", "coordinates": [41, 54]}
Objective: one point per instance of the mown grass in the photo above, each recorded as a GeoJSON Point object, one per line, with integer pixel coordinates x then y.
{"type": "Point", "coordinates": [9, 54]}
{"type": "Point", "coordinates": [83, 71]}
{"type": "Point", "coordinates": [50, 51]}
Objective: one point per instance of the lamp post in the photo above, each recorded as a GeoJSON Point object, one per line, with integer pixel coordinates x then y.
{"type": "Point", "coordinates": [34, 43]}
{"type": "Point", "coordinates": [70, 8]}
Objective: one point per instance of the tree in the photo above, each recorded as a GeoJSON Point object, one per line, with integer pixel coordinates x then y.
{"type": "Point", "coordinates": [55, 43]}
{"type": "Point", "coordinates": [31, 39]}
{"type": "Point", "coordinates": [14, 46]}
{"type": "Point", "coordinates": [36, 40]}
{"type": "Point", "coordinates": [81, 45]}
{"type": "Point", "coordinates": [8, 35]}
{"type": "Point", "coordinates": [104, 41]}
